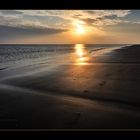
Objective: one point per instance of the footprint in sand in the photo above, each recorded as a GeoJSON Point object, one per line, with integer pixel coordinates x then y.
{"type": "Point", "coordinates": [102, 83]}
{"type": "Point", "coordinates": [85, 91]}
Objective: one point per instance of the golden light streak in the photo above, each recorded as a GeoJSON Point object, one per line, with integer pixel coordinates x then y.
{"type": "Point", "coordinates": [81, 54]}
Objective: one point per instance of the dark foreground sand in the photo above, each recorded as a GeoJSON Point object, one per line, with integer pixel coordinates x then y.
{"type": "Point", "coordinates": [102, 93]}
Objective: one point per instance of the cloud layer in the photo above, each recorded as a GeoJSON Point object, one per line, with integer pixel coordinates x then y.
{"type": "Point", "coordinates": [21, 23]}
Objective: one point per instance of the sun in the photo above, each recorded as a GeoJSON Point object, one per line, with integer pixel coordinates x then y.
{"type": "Point", "coordinates": [80, 29]}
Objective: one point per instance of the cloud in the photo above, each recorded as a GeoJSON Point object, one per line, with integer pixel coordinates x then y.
{"type": "Point", "coordinates": [20, 22]}
{"type": "Point", "coordinates": [101, 21]}
{"type": "Point", "coordinates": [11, 12]}
{"type": "Point", "coordinates": [36, 22]}
{"type": "Point", "coordinates": [103, 13]}
{"type": "Point", "coordinates": [42, 17]}
{"type": "Point", "coordinates": [126, 27]}
{"type": "Point", "coordinates": [13, 32]}
{"type": "Point", "coordinates": [31, 18]}
{"type": "Point", "coordinates": [73, 14]}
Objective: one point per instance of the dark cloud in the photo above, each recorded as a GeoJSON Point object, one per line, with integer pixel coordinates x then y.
{"type": "Point", "coordinates": [12, 32]}
{"type": "Point", "coordinates": [91, 12]}
{"type": "Point", "coordinates": [89, 21]}
{"type": "Point", "coordinates": [92, 21]}
{"type": "Point", "coordinates": [131, 28]}
{"type": "Point", "coordinates": [95, 21]}
{"type": "Point", "coordinates": [111, 17]}
{"type": "Point", "coordinates": [11, 12]}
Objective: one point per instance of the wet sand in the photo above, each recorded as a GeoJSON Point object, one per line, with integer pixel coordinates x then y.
{"type": "Point", "coordinates": [101, 93]}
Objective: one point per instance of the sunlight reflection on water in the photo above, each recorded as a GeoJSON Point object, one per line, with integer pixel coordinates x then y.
{"type": "Point", "coordinates": [82, 55]}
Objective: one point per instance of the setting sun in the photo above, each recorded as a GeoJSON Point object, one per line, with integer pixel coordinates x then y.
{"type": "Point", "coordinates": [80, 29]}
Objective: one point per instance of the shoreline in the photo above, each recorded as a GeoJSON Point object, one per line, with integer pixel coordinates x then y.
{"type": "Point", "coordinates": [101, 95]}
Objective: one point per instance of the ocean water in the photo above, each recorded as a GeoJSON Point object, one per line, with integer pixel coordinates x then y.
{"type": "Point", "coordinates": [24, 55]}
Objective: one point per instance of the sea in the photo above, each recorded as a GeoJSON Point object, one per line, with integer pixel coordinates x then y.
{"type": "Point", "coordinates": [16, 55]}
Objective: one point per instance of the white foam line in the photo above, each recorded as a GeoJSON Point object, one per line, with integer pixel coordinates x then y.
{"type": "Point", "coordinates": [105, 50]}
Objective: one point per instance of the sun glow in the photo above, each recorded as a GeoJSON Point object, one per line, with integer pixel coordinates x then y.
{"type": "Point", "coordinates": [80, 29]}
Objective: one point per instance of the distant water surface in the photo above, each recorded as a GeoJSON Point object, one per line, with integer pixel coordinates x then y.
{"type": "Point", "coordinates": [24, 55]}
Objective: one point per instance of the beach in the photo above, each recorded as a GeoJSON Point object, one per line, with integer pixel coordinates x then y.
{"type": "Point", "coordinates": [99, 89]}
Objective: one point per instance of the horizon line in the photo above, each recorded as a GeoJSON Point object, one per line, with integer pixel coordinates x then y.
{"type": "Point", "coordinates": [72, 44]}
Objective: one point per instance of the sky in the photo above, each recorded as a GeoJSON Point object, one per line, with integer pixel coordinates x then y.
{"type": "Point", "coordinates": [69, 26]}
